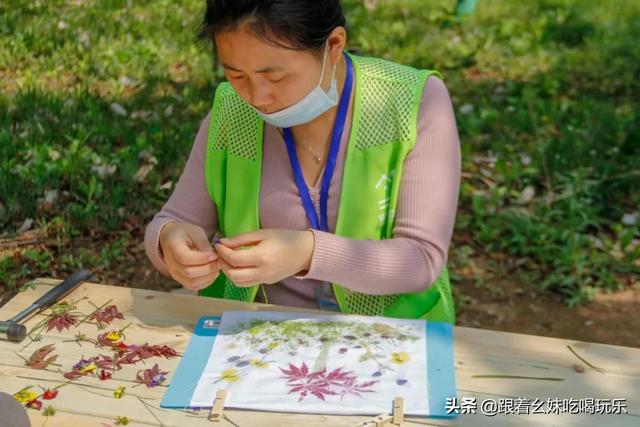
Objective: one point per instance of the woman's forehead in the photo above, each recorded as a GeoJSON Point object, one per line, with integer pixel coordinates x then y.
{"type": "Point", "coordinates": [242, 50]}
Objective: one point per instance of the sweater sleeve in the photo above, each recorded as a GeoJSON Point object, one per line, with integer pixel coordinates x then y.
{"type": "Point", "coordinates": [189, 202]}
{"type": "Point", "coordinates": [414, 258]}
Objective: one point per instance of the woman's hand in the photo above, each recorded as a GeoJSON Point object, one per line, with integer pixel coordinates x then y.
{"type": "Point", "coordinates": [189, 256]}
{"type": "Point", "coordinates": [274, 255]}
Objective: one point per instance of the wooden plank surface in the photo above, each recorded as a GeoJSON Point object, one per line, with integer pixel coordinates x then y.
{"type": "Point", "coordinates": [164, 318]}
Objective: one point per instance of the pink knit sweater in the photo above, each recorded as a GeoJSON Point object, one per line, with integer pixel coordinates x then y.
{"type": "Point", "coordinates": [425, 214]}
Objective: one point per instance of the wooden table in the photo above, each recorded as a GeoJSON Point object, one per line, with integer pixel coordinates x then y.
{"type": "Point", "coordinates": [164, 318]}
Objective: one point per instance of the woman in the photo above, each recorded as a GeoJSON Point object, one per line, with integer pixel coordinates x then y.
{"type": "Point", "coordinates": [333, 178]}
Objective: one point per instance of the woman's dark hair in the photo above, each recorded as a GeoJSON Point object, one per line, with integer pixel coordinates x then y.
{"type": "Point", "coordinates": [301, 24]}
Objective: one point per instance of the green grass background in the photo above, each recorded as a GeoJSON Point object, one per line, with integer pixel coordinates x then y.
{"type": "Point", "coordinates": [95, 93]}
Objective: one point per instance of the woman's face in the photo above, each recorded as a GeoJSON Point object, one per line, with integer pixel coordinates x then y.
{"type": "Point", "coordinates": [270, 77]}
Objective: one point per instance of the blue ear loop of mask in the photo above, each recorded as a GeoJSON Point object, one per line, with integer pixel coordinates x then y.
{"type": "Point", "coordinates": [316, 103]}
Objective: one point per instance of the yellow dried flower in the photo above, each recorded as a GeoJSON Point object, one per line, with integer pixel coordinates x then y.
{"type": "Point", "coordinates": [399, 358]}
{"type": "Point", "coordinates": [119, 392]}
{"type": "Point", "coordinates": [25, 395]}
{"type": "Point", "coordinates": [230, 375]}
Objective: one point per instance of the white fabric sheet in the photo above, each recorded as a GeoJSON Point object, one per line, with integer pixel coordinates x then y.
{"type": "Point", "coordinates": [323, 364]}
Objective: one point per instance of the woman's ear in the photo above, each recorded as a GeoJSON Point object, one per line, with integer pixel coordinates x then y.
{"type": "Point", "coordinates": [337, 41]}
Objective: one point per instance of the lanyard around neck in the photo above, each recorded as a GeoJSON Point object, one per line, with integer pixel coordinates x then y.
{"type": "Point", "coordinates": [336, 136]}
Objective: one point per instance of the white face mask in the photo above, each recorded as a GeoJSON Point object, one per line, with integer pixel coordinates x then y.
{"type": "Point", "coordinates": [310, 107]}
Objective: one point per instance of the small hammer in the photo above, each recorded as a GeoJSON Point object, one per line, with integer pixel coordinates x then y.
{"type": "Point", "coordinates": [14, 331]}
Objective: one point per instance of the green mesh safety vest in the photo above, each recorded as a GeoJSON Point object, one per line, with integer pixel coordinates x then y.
{"type": "Point", "coordinates": [383, 132]}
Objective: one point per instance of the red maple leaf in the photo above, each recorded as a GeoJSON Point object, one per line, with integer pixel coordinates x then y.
{"type": "Point", "coordinates": [151, 377]}
{"type": "Point", "coordinates": [321, 384]}
{"type": "Point", "coordinates": [135, 353]}
{"type": "Point", "coordinates": [106, 362]}
{"type": "Point", "coordinates": [39, 360]}
{"type": "Point", "coordinates": [294, 373]}
{"type": "Point", "coordinates": [107, 315]}
{"type": "Point", "coordinates": [162, 350]}
{"type": "Point", "coordinates": [61, 321]}
{"type": "Point", "coordinates": [72, 375]}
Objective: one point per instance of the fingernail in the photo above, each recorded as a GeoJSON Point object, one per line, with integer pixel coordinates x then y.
{"type": "Point", "coordinates": [213, 257]}
{"type": "Point", "coordinates": [224, 240]}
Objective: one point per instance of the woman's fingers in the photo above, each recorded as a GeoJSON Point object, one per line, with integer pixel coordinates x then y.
{"type": "Point", "coordinates": [239, 257]}
{"type": "Point", "coordinates": [189, 256]}
{"type": "Point", "coordinates": [245, 239]}
{"type": "Point", "coordinates": [186, 256]}
{"type": "Point", "coordinates": [187, 244]}
{"type": "Point", "coordinates": [195, 284]}
{"type": "Point", "coordinates": [196, 272]}
{"type": "Point", "coordinates": [246, 276]}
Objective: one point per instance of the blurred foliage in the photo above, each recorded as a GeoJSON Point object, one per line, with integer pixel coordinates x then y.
{"type": "Point", "coordinates": [100, 102]}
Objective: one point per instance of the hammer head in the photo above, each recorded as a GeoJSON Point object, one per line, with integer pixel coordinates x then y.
{"type": "Point", "coordinates": [12, 331]}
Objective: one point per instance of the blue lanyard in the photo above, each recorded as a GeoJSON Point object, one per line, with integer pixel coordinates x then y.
{"type": "Point", "coordinates": [336, 136]}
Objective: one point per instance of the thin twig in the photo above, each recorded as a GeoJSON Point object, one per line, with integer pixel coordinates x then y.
{"type": "Point", "coordinates": [518, 377]}
{"type": "Point", "coordinates": [93, 312]}
{"type": "Point", "coordinates": [151, 412]}
{"type": "Point", "coordinates": [21, 357]}
{"type": "Point", "coordinates": [588, 364]}
{"type": "Point", "coordinates": [14, 244]}
{"type": "Point", "coordinates": [229, 420]}
{"type": "Point", "coordinates": [93, 392]}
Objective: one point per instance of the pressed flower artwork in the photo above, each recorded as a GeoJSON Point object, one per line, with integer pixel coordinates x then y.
{"type": "Point", "coordinates": [331, 364]}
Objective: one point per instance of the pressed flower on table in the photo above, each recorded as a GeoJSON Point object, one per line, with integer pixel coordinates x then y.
{"type": "Point", "coordinates": [88, 366]}
{"type": "Point", "coordinates": [132, 354]}
{"type": "Point", "coordinates": [107, 315]}
{"type": "Point", "coordinates": [63, 316]}
{"type": "Point", "coordinates": [61, 321]}
{"type": "Point", "coordinates": [39, 359]}
{"type": "Point", "coordinates": [31, 399]}
{"type": "Point", "coordinates": [122, 421]}
{"type": "Point", "coordinates": [34, 404]}
{"type": "Point", "coordinates": [49, 411]}
{"type": "Point", "coordinates": [119, 392]}
{"type": "Point", "coordinates": [110, 338]}
{"type": "Point", "coordinates": [49, 394]}
{"type": "Point", "coordinates": [25, 395]}
{"type": "Point", "coordinates": [151, 377]}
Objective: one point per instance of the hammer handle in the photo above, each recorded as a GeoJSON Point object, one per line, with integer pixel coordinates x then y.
{"type": "Point", "coordinates": [54, 294]}
{"type": "Point", "coordinates": [62, 289]}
